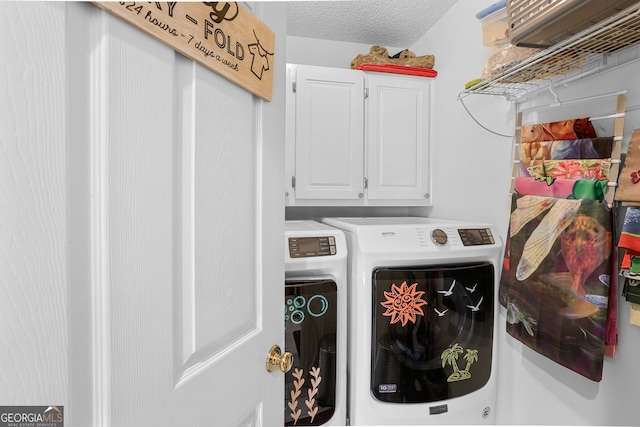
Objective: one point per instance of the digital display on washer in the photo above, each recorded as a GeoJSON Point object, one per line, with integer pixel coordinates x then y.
{"type": "Point", "coordinates": [476, 236]}
{"type": "Point", "coordinates": [310, 330]}
{"type": "Point", "coordinates": [300, 247]}
{"type": "Point", "coordinates": [432, 331]}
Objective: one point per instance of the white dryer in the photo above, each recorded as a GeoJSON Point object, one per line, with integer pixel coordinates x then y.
{"type": "Point", "coordinates": [423, 309]}
{"type": "Point", "coordinates": [315, 321]}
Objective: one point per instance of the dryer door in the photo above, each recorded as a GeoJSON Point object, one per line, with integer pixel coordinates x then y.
{"type": "Point", "coordinates": [310, 336]}
{"type": "Point", "coordinates": [432, 331]}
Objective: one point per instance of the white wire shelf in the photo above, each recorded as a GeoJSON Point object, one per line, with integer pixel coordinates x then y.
{"type": "Point", "coordinates": [584, 50]}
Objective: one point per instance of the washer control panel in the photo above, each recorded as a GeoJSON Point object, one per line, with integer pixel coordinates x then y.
{"type": "Point", "coordinates": [476, 236]}
{"type": "Point", "coordinates": [300, 247]}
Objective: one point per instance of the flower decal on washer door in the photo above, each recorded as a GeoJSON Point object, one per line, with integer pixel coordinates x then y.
{"type": "Point", "coordinates": [403, 303]}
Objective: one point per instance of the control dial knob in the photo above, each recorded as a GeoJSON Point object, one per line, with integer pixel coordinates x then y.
{"type": "Point", "coordinates": [439, 236]}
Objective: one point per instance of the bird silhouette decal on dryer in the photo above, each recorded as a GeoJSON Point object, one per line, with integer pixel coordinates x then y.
{"type": "Point", "coordinates": [477, 306]}
{"type": "Point", "coordinates": [473, 289]}
{"type": "Point", "coordinates": [440, 313]}
{"type": "Point", "coordinates": [450, 291]}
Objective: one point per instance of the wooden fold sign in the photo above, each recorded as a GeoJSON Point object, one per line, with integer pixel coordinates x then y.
{"type": "Point", "coordinates": [222, 36]}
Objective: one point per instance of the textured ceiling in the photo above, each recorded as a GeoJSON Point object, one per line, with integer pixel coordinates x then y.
{"type": "Point", "coordinates": [398, 23]}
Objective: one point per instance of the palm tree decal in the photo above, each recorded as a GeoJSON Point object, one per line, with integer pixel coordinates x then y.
{"type": "Point", "coordinates": [470, 357]}
{"type": "Point", "coordinates": [450, 356]}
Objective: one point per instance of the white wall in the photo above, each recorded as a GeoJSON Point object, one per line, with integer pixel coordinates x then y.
{"type": "Point", "coordinates": [471, 181]}
{"type": "Point", "coordinates": [471, 165]}
{"type": "Point", "coordinates": [327, 53]}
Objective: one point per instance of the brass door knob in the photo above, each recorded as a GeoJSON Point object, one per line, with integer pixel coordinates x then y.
{"type": "Point", "coordinates": [278, 360]}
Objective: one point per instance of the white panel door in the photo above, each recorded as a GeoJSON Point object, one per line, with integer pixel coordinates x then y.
{"type": "Point", "coordinates": [33, 215]}
{"type": "Point", "coordinates": [398, 124]}
{"type": "Point", "coordinates": [184, 171]}
{"type": "Point", "coordinates": [329, 133]}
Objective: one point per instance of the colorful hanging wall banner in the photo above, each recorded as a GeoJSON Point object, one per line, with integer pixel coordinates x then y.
{"type": "Point", "coordinates": [556, 277]}
{"type": "Point", "coordinates": [222, 36]}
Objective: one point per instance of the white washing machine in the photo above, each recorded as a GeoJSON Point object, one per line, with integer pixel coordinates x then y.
{"type": "Point", "coordinates": [315, 319]}
{"type": "Point", "coordinates": [423, 309]}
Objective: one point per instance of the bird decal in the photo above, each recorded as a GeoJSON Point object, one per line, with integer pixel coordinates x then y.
{"type": "Point", "coordinates": [477, 306]}
{"type": "Point", "coordinates": [440, 313]}
{"type": "Point", "coordinates": [473, 289]}
{"type": "Point", "coordinates": [450, 291]}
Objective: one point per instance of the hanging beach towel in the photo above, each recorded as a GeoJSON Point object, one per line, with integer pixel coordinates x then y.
{"type": "Point", "coordinates": [564, 188]}
{"type": "Point", "coordinates": [536, 152]}
{"type": "Point", "coordinates": [555, 279]}
{"type": "Point", "coordinates": [554, 131]}
{"type": "Point", "coordinates": [629, 180]}
{"type": "Point", "coordinates": [571, 169]}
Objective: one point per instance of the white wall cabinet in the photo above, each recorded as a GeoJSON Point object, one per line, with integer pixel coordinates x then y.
{"type": "Point", "coordinates": [326, 112]}
{"type": "Point", "coordinates": [356, 138]}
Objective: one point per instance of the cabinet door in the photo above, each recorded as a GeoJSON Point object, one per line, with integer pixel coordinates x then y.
{"type": "Point", "coordinates": [329, 133]}
{"type": "Point", "coordinates": [398, 125]}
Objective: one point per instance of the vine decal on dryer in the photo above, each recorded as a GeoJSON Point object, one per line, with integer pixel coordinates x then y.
{"type": "Point", "coordinates": [312, 393]}
{"type": "Point", "coordinates": [293, 405]}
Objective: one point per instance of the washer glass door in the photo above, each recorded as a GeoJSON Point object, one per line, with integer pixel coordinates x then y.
{"type": "Point", "coordinates": [432, 331]}
{"type": "Point", "coordinates": [310, 336]}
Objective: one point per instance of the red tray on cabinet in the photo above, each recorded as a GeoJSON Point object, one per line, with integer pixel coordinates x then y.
{"type": "Point", "coordinates": [399, 69]}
